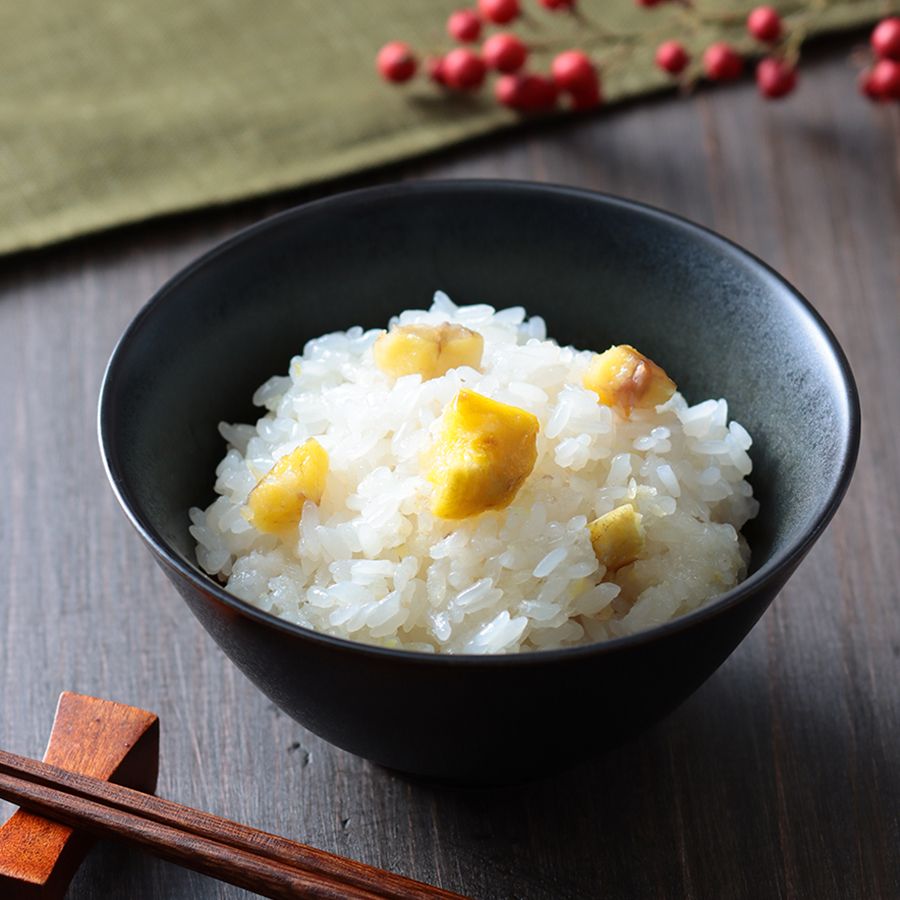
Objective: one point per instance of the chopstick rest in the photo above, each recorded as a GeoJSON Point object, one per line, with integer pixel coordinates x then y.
{"type": "Point", "coordinates": [106, 740]}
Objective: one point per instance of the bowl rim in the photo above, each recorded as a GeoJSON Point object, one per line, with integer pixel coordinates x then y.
{"type": "Point", "coordinates": [771, 573]}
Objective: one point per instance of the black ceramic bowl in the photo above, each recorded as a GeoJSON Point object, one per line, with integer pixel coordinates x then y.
{"type": "Point", "coordinates": [601, 271]}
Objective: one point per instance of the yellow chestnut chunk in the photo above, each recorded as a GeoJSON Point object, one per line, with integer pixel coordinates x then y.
{"type": "Point", "coordinates": [276, 503]}
{"type": "Point", "coordinates": [482, 457]}
{"type": "Point", "coordinates": [427, 350]}
{"type": "Point", "coordinates": [627, 380]}
{"type": "Point", "coordinates": [617, 537]}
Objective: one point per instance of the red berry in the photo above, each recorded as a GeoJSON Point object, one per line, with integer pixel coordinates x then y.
{"type": "Point", "coordinates": [463, 69]}
{"type": "Point", "coordinates": [508, 90]}
{"type": "Point", "coordinates": [671, 57]}
{"type": "Point", "coordinates": [558, 4]}
{"type": "Point", "coordinates": [721, 62]}
{"type": "Point", "coordinates": [647, 4]}
{"type": "Point", "coordinates": [764, 24]}
{"type": "Point", "coordinates": [434, 66]}
{"type": "Point", "coordinates": [504, 52]}
{"type": "Point", "coordinates": [587, 98]}
{"type": "Point", "coordinates": [499, 11]}
{"type": "Point", "coordinates": [464, 25]}
{"type": "Point", "coordinates": [867, 86]}
{"type": "Point", "coordinates": [886, 38]}
{"type": "Point", "coordinates": [396, 62]}
{"type": "Point", "coordinates": [885, 79]}
{"type": "Point", "coordinates": [526, 92]}
{"type": "Point", "coordinates": [775, 78]}
{"type": "Point", "coordinates": [573, 71]}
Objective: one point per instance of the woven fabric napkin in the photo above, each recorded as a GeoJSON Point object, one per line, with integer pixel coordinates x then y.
{"type": "Point", "coordinates": [116, 110]}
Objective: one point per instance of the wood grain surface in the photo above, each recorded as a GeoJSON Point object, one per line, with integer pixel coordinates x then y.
{"type": "Point", "coordinates": [780, 778]}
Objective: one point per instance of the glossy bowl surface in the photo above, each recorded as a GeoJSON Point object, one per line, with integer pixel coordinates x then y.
{"type": "Point", "coordinates": [601, 270]}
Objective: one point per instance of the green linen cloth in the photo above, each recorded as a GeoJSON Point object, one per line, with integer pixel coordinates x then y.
{"type": "Point", "coordinates": [116, 110]}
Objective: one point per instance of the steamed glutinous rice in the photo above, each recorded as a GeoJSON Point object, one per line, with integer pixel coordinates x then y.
{"type": "Point", "coordinates": [372, 563]}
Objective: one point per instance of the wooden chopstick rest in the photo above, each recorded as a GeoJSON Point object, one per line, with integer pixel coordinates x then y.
{"type": "Point", "coordinates": [105, 740]}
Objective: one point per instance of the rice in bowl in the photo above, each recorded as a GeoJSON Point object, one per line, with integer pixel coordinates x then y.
{"type": "Point", "coordinates": [371, 562]}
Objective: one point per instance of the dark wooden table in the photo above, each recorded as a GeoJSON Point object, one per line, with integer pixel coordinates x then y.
{"type": "Point", "coordinates": [779, 778]}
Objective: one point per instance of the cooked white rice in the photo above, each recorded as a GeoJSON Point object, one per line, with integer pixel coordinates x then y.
{"type": "Point", "coordinates": [372, 564]}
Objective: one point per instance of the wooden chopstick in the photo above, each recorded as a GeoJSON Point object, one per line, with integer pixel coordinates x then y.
{"type": "Point", "coordinates": [264, 863]}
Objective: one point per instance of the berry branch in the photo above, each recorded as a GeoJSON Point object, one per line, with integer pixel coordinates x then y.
{"type": "Point", "coordinates": [575, 76]}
